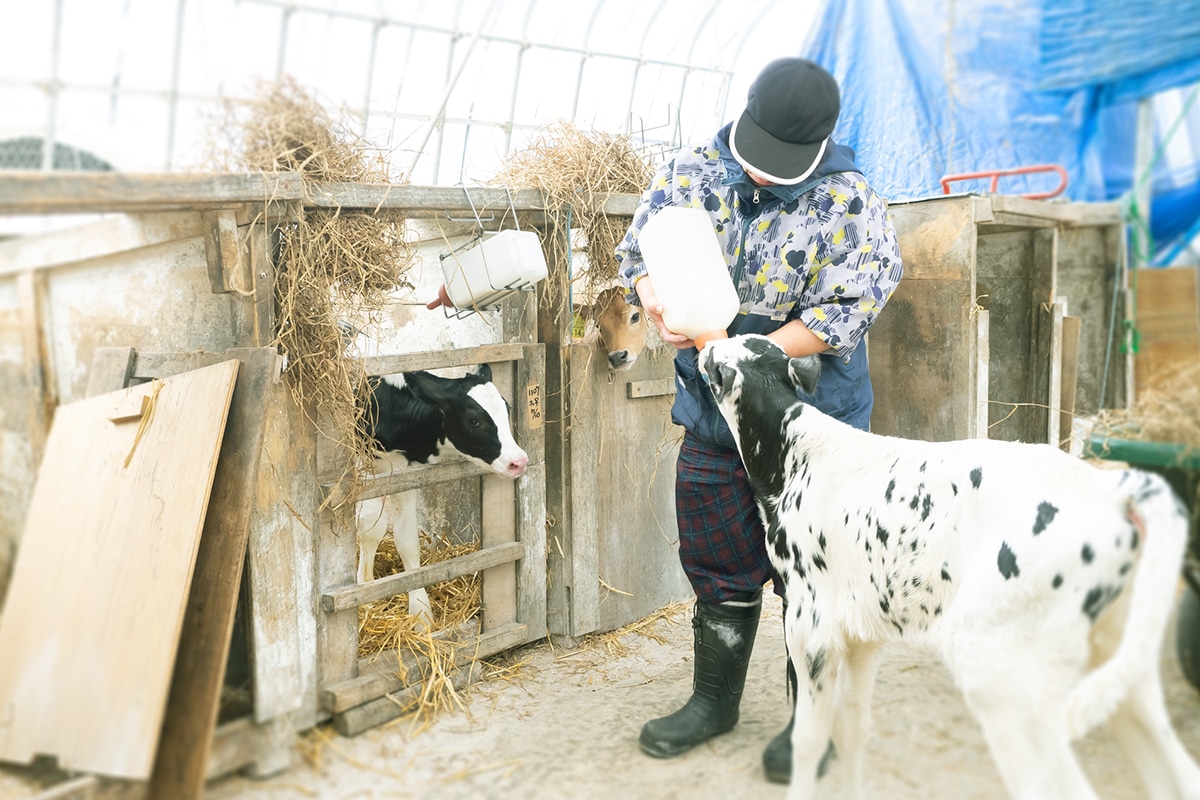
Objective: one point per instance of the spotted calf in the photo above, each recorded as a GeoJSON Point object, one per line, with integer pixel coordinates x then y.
{"type": "Point", "coordinates": [1044, 584]}
{"type": "Point", "coordinates": [418, 417]}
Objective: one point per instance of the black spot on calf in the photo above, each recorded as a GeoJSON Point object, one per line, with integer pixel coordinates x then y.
{"type": "Point", "coordinates": [1057, 582]}
{"type": "Point", "coordinates": [881, 534]}
{"type": "Point", "coordinates": [1045, 515]}
{"type": "Point", "coordinates": [816, 664]}
{"type": "Point", "coordinates": [1087, 554]}
{"type": "Point", "coordinates": [977, 477]}
{"type": "Point", "coordinates": [887, 496]}
{"type": "Point", "coordinates": [1099, 598]}
{"type": "Point", "coordinates": [1007, 561]}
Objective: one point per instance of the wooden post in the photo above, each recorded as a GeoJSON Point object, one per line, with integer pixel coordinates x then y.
{"type": "Point", "coordinates": [554, 333]}
{"type": "Point", "coordinates": [31, 291]}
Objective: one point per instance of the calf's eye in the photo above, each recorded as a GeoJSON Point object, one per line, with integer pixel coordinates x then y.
{"type": "Point", "coordinates": [473, 422]}
{"type": "Point", "coordinates": [635, 318]}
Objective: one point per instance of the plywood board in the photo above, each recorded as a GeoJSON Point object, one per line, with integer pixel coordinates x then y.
{"type": "Point", "coordinates": [93, 616]}
{"type": "Point", "coordinates": [1169, 322]}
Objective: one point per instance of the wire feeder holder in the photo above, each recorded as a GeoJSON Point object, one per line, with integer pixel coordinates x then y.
{"type": "Point", "coordinates": [491, 295]}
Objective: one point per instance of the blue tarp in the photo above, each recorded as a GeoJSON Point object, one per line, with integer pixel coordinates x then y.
{"type": "Point", "coordinates": [939, 87]}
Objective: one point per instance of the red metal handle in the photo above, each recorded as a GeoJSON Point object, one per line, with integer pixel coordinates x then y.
{"type": "Point", "coordinates": [996, 174]}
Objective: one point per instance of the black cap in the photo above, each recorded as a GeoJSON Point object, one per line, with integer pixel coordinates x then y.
{"type": "Point", "coordinates": [791, 110]}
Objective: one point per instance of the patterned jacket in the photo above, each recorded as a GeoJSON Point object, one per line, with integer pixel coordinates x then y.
{"type": "Point", "coordinates": [822, 251]}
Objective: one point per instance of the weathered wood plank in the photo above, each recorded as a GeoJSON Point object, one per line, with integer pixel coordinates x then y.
{"type": "Point", "coordinates": [443, 359]}
{"type": "Point", "coordinates": [159, 365]}
{"type": "Point", "coordinates": [59, 193]}
{"type": "Point", "coordinates": [585, 446]}
{"type": "Point", "coordinates": [31, 294]}
{"type": "Point", "coordinates": [62, 193]}
{"type": "Point", "coordinates": [1014, 209]}
{"type": "Point", "coordinates": [282, 517]}
{"type": "Point", "coordinates": [413, 476]}
{"type": "Point", "coordinates": [336, 566]}
{"type": "Point", "coordinates": [224, 253]}
{"type": "Point", "coordinates": [354, 595]}
{"type": "Point", "coordinates": [1072, 329]}
{"type": "Point", "coordinates": [257, 318]}
{"type": "Point", "coordinates": [531, 495]}
{"type": "Point", "coordinates": [107, 237]}
{"type": "Point", "coordinates": [375, 683]}
{"type": "Point", "coordinates": [243, 744]}
{"type": "Point", "coordinates": [112, 367]}
{"type": "Point", "coordinates": [498, 527]}
{"type": "Point", "coordinates": [1054, 399]}
{"type": "Point", "coordinates": [982, 383]}
{"type": "Point", "coordinates": [654, 388]}
{"type": "Point", "coordinates": [371, 714]}
{"type": "Point", "coordinates": [1045, 333]}
{"type": "Point", "coordinates": [194, 700]}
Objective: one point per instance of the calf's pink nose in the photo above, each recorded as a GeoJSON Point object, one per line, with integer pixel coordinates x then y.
{"type": "Point", "coordinates": [517, 466]}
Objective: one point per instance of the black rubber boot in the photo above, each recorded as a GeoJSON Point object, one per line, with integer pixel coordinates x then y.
{"type": "Point", "coordinates": [777, 757]}
{"type": "Point", "coordinates": [723, 638]}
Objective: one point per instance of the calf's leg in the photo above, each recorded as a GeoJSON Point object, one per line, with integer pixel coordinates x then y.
{"type": "Point", "coordinates": [402, 513]}
{"type": "Point", "coordinates": [1144, 732]}
{"type": "Point", "coordinates": [852, 721]}
{"type": "Point", "coordinates": [1016, 687]}
{"type": "Point", "coordinates": [817, 671]}
{"type": "Point", "coordinates": [371, 526]}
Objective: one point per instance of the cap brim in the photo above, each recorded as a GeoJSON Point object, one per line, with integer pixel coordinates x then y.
{"type": "Point", "coordinates": [781, 162]}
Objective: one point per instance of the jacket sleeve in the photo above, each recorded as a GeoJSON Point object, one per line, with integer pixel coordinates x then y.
{"type": "Point", "coordinates": [629, 257]}
{"type": "Point", "coordinates": [858, 267]}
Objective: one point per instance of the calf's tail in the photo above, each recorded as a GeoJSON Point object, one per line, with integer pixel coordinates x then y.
{"type": "Point", "coordinates": [1161, 523]}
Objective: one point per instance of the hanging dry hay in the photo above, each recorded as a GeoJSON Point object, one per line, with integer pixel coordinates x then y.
{"type": "Point", "coordinates": [575, 169]}
{"type": "Point", "coordinates": [1170, 412]}
{"type": "Point", "coordinates": [331, 264]}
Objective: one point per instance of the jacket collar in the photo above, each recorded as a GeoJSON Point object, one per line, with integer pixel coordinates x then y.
{"type": "Point", "coordinates": [838, 158]}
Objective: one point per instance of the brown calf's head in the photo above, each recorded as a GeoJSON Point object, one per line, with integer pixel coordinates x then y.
{"type": "Point", "coordinates": [621, 327]}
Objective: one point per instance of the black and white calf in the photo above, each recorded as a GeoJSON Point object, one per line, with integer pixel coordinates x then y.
{"type": "Point", "coordinates": [1044, 584]}
{"type": "Point", "coordinates": [417, 417]}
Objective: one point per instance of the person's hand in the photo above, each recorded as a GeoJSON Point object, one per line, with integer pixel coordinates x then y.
{"type": "Point", "coordinates": [654, 310]}
{"type": "Point", "coordinates": [443, 299]}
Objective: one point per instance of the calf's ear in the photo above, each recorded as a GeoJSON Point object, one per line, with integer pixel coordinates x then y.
{"type": "Point", "coordinates": [804, 372]}
{"type": "Point", "coordinates": [484, 371]}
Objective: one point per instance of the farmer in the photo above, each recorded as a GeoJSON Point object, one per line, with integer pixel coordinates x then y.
{"type": "Point", "coordinates": [813, 255]}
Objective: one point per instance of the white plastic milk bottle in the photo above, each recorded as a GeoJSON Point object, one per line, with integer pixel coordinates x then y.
{"type": "Point", "coordinates": [691, 280]}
